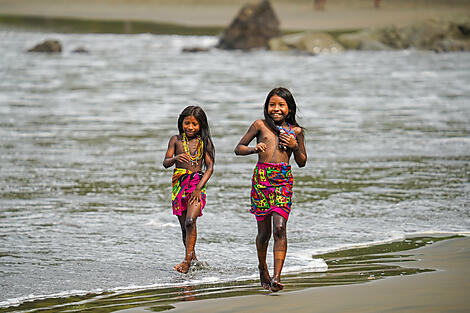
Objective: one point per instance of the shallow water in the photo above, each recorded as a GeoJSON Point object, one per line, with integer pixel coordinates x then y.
{"type": "Point", "coordinates": [84, 199]}
{"type": "Point", "coordinates": [356, 265]}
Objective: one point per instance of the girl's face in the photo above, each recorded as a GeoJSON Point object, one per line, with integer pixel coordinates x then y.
{"type": "Point", "coordinates": [191, 126]}
{"type": "Point", "coordinates": [278, 109]}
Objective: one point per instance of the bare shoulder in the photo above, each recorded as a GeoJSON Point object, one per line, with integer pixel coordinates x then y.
{"type": "Point", "coordinates": [256, 126]}
{"type": "Point", "coordinates": [259, 124]}
{"type": "Point", "coordinates": [174, 139]}
{"type": "Point", "coordinates": [298, 130]}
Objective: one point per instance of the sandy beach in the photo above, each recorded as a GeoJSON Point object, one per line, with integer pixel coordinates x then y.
{"type": "Point", "coordinates": [293, 15]}
{"type": "Point", "coordinates": [443, 290]}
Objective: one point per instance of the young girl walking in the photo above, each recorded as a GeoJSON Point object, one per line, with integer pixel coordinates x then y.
{"type": "Point", "coordinates": [278, 137]}
{"type": "Point", "coordinates": [190, 151]}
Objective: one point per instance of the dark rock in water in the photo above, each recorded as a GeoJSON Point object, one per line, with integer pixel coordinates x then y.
{"type": "Point", "coordinates": [80, 50]}
{"type": "Point", "coordinates": [252, 28]}
{"type": "Point", "coordinates": [48, 46]}
{"type": "Point", "coordinates": [195, 49]}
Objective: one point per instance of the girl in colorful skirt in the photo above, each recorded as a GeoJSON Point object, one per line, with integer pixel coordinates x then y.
{"type": "Point", "coordinates": [278, 137]}
{"type": "Point", "coordinates": [190, 151]}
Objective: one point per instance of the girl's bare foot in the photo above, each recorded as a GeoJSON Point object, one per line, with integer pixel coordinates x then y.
{"type": "Point", "coordinates": [276, 285]}
{"type": "Point", "coordinates": [183, 267]}
{"type": "Point", "coordinates": [264, 277]}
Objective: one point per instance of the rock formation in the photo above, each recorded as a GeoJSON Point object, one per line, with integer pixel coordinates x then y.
{"type": "Point", "coordinates": [48, 46]}
{"type": "Point", "coordinates": [254, 25]}
{"type": "Point", "coordinates": [436, 35]}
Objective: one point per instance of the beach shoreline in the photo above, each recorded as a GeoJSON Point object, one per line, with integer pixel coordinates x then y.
{"type": "Point", "coordinates": [442, 290]}
{"type": "Point", "coordinates": [296, 15]}
{"type": "Point", "coordinates": [364, 278]}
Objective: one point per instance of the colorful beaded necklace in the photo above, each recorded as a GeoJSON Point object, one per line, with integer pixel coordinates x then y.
{"type": "Point", "coordinates": [197, 153]}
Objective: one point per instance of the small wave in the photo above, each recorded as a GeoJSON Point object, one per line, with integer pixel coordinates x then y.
{"type": "Point", "coordinates": [394, 237]}
{"type": "Point", "coordinates": [462, 140]}
{"type": "Point", "coordinates": [436, 233]}
{"type": "Point", "coordinates": [30, 298]}
{"type": "Point", "coordinates": [160, 224]}
{"type": "Point", "coordinates": [315, 265]}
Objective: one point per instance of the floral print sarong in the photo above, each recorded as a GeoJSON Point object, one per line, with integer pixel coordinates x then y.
{"type": "Point", "coordinates": [184, 182]}
{"type": "Point", "coordinates": [271, 190]}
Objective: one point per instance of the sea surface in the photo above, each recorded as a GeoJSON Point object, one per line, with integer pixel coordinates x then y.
{"type": "Point", "coordinates": [85, 201]}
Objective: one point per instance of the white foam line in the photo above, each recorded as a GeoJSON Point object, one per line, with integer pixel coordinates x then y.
{"type": "Point", "coordinates": [394, 238]}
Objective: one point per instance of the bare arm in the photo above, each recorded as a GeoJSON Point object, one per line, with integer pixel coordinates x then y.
{"type": "Point", "coordinates": [208, 173]}
{"type": "Point", "coordinates": [170, 157]}
{"type": "Point", "coordinates": [296, 145]}
{"type": "Point", "coordinates": [242, 147]}
{"type": "Point", "coordinates": [300, 154]}
{"type": "Point", "coordinates": [196, 195]}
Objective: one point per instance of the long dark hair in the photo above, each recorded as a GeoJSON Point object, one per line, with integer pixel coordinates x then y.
{"type": "Point", "coordinates": [285, 94]}
{"type": "Point", "coordinates": [204, 130]}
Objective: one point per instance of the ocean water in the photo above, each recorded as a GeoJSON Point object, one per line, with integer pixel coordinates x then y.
{"type": "Point", "coordinates": [85, 200]}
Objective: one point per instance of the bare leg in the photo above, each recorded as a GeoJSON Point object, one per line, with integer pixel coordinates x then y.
{"type": "Point", "coordinates": [262, 241]}
{"type": "Point", "coordinates": [182, 220]}
{"type": "Point", "coordinates": [280, 249]}
{"type": "Point", "coordinates": [191, 236]}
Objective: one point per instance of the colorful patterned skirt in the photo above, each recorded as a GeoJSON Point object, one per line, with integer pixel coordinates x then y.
{"type": "Point", "coordinates": [271, 190]}
{"type": "Point", "coordinates": [184, 182]}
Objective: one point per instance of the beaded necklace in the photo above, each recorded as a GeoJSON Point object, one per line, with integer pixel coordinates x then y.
{"type": "Point", "coordinates": [194, 159]}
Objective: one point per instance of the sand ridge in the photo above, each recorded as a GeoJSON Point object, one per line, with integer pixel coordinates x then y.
{"type": "Point", "coordinates": [293, 14]}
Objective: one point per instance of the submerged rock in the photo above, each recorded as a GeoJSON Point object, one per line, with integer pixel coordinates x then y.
{"type": "Point", "coordinates": [48, 46]}
{"type": "Point", "coordinates": [310, 42]}
{"type": "Point", "coordinates": [254, 25]}
{"type": "Point", "coordinates": [80, 50]}
{"type": "Point", "coordinates": [195, 49]}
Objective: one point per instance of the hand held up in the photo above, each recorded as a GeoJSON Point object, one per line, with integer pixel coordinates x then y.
{"type": "Point", "coordinates": [260, 147]}
{"type": "Point", "coordinates": [182, 158]}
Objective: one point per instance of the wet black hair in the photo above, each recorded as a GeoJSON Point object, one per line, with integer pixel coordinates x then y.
{"type": "Point", "coordinates": [285, 94]}
{"type": "Point", "coordinates": [204, 130]}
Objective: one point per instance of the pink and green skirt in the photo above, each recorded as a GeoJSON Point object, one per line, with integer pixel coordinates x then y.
{"type": "Point", "coordinates": [183, 184]}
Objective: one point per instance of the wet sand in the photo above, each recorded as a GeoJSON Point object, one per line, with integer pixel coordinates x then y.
{"type": "Point", "coordinates": [443, 290]}
{"type": "Point", "coordinates": [293, 14]}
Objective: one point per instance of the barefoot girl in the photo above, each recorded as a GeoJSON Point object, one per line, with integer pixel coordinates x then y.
{"type": "Point", "coordinates": [278, 136]}
{"type": "Point", "coordinates": [189, 151]}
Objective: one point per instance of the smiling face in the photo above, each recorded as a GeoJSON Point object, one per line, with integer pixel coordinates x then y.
{"type": "Point", "coordinates": [278, 109]}
{"type": "Point", "coordinates": [191, 126]}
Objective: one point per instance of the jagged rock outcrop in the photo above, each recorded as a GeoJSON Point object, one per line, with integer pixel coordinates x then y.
{"type": "Point", "coordinates": [310, 42]}
{"type": "Point", "coordinates": [437, 35]}
{"type": "Point", "coordinates": [254, 25]}
{"type": "Point", "coordinates": [48, 46]}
